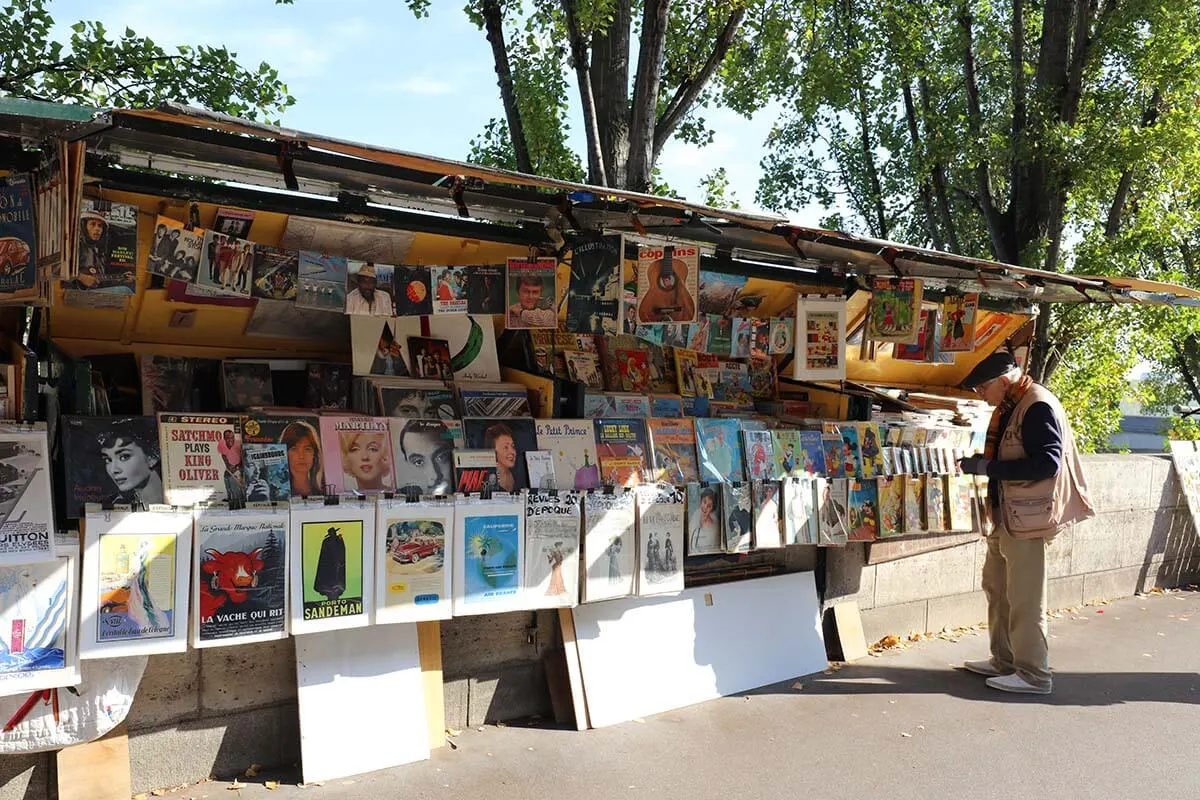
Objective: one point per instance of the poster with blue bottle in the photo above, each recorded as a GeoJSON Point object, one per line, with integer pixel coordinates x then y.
{"type": "Point", "coordinates": [488, 570]}
{"type": "Point", "coordinates": [18, 243]}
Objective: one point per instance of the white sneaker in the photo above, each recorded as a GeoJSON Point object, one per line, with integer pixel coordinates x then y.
{"type": "Point", "coordinates": [984, 667]}
{"type": "Point", "coordinates": [1015, 683]}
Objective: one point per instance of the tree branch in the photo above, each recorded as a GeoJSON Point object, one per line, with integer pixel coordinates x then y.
{"type": "Point", "coordinates": [1112, 225]}
{"type": "Point", "coordinates": [923, 190]}
{"type": "Point", "coordinates": [646, 83]}
{"type": "Point", "coordinates": [493, 20]}
{"type": "Point", "coordinates": [690, 89]}
{"type": "Point", "coordinates": [1016, 63]}
{"type": "Point", "coordinates": [610, 88]}
{"type": "Point", "coordinates": [597, 174]}
{"type": "Point", "coordinates": [992, 218]}
{"type": "Point", "coordinates": [938, 171]}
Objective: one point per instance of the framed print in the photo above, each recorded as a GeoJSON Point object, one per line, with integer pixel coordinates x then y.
{"type": "Point", "coordinates": [820, 340]}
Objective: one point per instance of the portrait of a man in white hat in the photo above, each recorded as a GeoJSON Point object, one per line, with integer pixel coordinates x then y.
{"type": "Point", "coordinates": [366, 297]}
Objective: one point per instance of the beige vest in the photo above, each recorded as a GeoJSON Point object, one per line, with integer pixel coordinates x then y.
{"type": "Point", "coordinates": [1042, 509]}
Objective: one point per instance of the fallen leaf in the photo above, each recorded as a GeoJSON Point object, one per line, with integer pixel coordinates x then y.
{"type": "Point", "coordinates": [252, 770]}
{"type": "Point", "coordinates": [906, 735]}
{"type": "Point", "coordinates": [271, 785]}
{"type": "Point", "coordinates": [640, 721]}
{"type": "Point", "coordinates": [158, 792]}
{"type": "Point", "coordinates": [1147, 655]}
{"type": "Point", "coordinates": [233, 787]}
{"type": "Point", "coordinates": [453, 732]}
{"type": "Point", "coordinates": [920, 727]}
{"type": "Point", "coordinates": [139, 796]}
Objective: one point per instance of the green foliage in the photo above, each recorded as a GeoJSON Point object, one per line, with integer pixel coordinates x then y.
{"type": "Point", "coordinates": [1183, 429]}
{"type": "Point", "coordinates": [98, 67]}
{"type": "Point", "coordinates": [717, 193]}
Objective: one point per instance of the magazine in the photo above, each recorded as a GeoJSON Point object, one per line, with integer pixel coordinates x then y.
{"type": "Point", "coordinates": [594, 292]}
{"type": "Point", "coordinates": [622, 447]}
{"type": "Point", "coordinates": [801, 524]}
{"type": "Point", "coordinates": [894, 311]}
{"type": "Point", "coordinates": [960, 313]}
{"type": "Point", "coordinates": [552, 549]}
{"type": "Point", "coordinates": [788, 455]}
{"type": "Point", "coordinates": [531, 294]}
{"type": "Point", "coordinates": [18, 239]}
{"type": "Point", "coordinates": [833, 502]}
{"type": "Point", "coordinates": [609, 545]}
{"type": "Point", "coordinates": [662, 522]}
{"type": "Point", "coordinates": [737, 524]}
{"type": "Point", "coordinates": [704, 519]}
{"type": "Point", "coordinates": [668, 284]}
{"type": "Point", "coordinates": [765, 496]}
{"type": "Point", "coordinates": [760, 454]}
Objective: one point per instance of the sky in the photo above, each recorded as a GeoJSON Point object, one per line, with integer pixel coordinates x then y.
{"type": "Point", "coordinates": [372, 73]}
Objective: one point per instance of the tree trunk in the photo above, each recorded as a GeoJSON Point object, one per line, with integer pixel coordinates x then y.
{"type": "Point", "coordinates": [493, 20]}
{"type": "Point", "coordinates": [645, 94]}
{"type": "Point", "coordinates": [597, 174]}
{"type": "Point", "coordinates": [610, 88]}
{"type": "Point", "coordinates": [1002, 245]}
{"type": "Point", "coordinates": [940, 190]}
{"type": "Point", "coordinates": [918, 167]}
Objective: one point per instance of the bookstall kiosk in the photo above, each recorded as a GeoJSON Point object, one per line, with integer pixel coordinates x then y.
{"type": "Point", "coordinates": [316, 194]}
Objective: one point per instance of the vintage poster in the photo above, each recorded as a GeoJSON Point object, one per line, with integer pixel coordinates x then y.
{"type": "Point", "coordinates": [572, 445]}
{"type": "Point", "coordinates": [18, 241]}
{"type": "Point", "coordinates": [449, 289]}
{"type": "Point", "coordinates": [609, 545]}
{"type": "Point", "coordinates": [358, 454]}
{"type": "Point", "coordinates": [673, 444]}
{"type": "Point", "coordinates": [331, 564]}
{"type": "Point", "coordinates": [699, 333]}
{"type": "Point", "coordinates": [429, 358]}
{"type": "Point", "coordinates": [136, 575]}
{"type": "Point", "coordinates": [894, 312]}
{"type": "Point", "coordinates": [283, 457]}
{"type": "Point", "coordinates": [737, 524]}
{"type": "Point", "coordinates": [594, 291]}
{"type": "Point", "coordinates": [107, 247]}
{"type": "Point", "coordinates": [246, 384]}
{"type": "Point", "coordinates": [414, 291]}
{"type": "Point", "coordinates": [412, 575]}
{"type": "Point", "coordinates": [475, 471]}
{"type": "Point", "coordinates": [719, 449]}
{"type": "Point", "coordinates": [662, 522]}
{"type": "Point", "coordinates": [322, 282]}
{"type": "Point", "coordinates": [914, 504]}
{"type": "Point", "coordinates": [531, 294]}
{"type": "Point", "coordinates": [111, 461]}
{"type": "Point", "coordinates": [623, 449]}
{"type": "Point", "coordinates": [552, 549]}
{"type": "Point", "coordinates": [833, 503]}
{"type": "Point", "coordinates": [226, 264]}
{"type": "Point", "coordinates": [760, 454]}
{"type": "Point", "coordinates": [175, 252]}
{"type": "Point", "coordinates": [820, 340]}
{"type": "Point", "coordinates": [765, 496]}
{"type": "Point", "coordinates": [38, 613]}
{"type": "Point", "coordinates": [704, 520]}
{"type": "Point", "coordinates": [960, 313]}
{"type": "Point", "coordinates": [891, 506]}
{"type": "Point", "coordinates": [800, 514]}
{"type": "Point", "coordinates": [26, 507]}
{"type": "Point", "coordinates": [240, 574]}
{"type": "Point", "coordinates": [508, 437]}
{"type": "Point", "coordinates": [202, 458]}
{"type": "Point", "coordinates": [423, 455]}
{"type": "Point", "coordinates": [668, 284]}
{"type": "Point", "coordinates": [489, 558]}
{"type": "Point", "coordinates": [486, 290]}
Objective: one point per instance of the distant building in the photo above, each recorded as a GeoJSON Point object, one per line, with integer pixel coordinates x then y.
{"type": "Point", "coordinates": [1141, 434]}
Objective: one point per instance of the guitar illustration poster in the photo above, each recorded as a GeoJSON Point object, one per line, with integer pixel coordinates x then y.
{"type": "Point", "coordinates": [668, 283]}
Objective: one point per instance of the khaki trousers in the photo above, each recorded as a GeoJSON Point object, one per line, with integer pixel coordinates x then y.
{"type": "Point", "coordinates": [1014, 581]}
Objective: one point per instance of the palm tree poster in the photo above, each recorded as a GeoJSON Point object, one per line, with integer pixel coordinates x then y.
{"type": "Point", "coordinates": [552, 549]}
{"type": "Point", "coordinates": [489, 538]}
{"type": "Point", "coordinates": [135, 582]}
{"type": "Point", "coordinates": [331, 566]}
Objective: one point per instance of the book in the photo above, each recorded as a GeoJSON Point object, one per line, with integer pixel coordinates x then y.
{"type": "Point", "coordinates": [429, 358]}
{"type": "Point", "coordinates": [370, 288]}
{"type": "Point", "coordinates": [737, 526]}
{"type": "Point", "coordinates": [328, 386]}
{"type": "Point", "coordinates": [759, 454]}
{"type": "Point", "coordinates": [202, 458]}
{"type": "Point", "coordinates": [894, 311]}
{"type": "Point", "coordinates": [760, 339]}
{"type": "Point", "coordinates": [358, 454]}
{"type": "Point", "coordinates": [960, 497]}
{"type": "Point", "coordinates": [914, 504]}
{"type": "Point", "coordinates": [685, 366]}
{"type": "Point", "coordinates": [666, 405]}
{"type": "Point", "coordinates": [175, 252]}
{"type": "Point", "coordinates": [832, 508]}
{"type": "Point", "coordinates": [508, 437]}
{"type": "Point", "coordinates": [782, 336]}
{"type": "Point", "coordinates": [800, 518]}
{"type": "Point", "coordinates": [531, 294]}
{"type": "Point", "coordinates": [493, 400]}
{"type": "Point", "coordinates": [667, 284]}
{"type": "Point", "coordinates": [922, 348]}
{"type": "Point", "coordinates": [835, 462]}
{"type": "Point", "coordinates": [935, 503]}
{"type": "Point", "coordinates": [634, 368]}
{"type": "Point", "coordinates": [423, 450]}
{"type": "Point", "coordinates": [572, 445]}
{"type": "Point", "coordinates": [960, 313]}
{"type": "Point", "coordinates": [891, 506]}
{"type": "Point", "coordinates": [739, 337]}
{"type": "Point", "coordinates": [584, 367]}
{"type": "Point", "coordinates": [475, 471]}
{"type": "Point", "coordinates": [615, 404]}
{"type": "Point", "coordinates": [851, 455]}
{"type": "Point", "coordinates": [540, 464]}
{"type": "Point", "coordinates": [609, 545]}
{"type": "Point", "coordinates": [765, 495]}
{"type": "Point", "coordinates": [719, 450]}
{"type": "Point", "coordinates": [414, 295]}
{"type": "Point", "coordinates": [661, 521]}
{"type": "Point", "coordinates": [785, 448]}
{"type": "Point", "coordinates": [864, 510]}
{"type": "Point", "coordinates": [595, 287]}
{"type": "Point", "coordinates": [110, 461]}
{"type": "Point", "coordinates": [286, 451]}
{"type": "Point", "coordinates": [622, 448]}
{"type": "Point", "coordinates": [704, 520]}
{"type": "Point", "coordinates": [246, 384]}
{"type": "Point", "coordinates": [106, 250]}
{"type": "Point", "coordinates": [870, 449]}
{"type": "Point", "coordinates": [321, 282]}
{"type": "Point", "coordinates": [720, 335]}
{"type": "Point", "coordinates": [673, 443]}
{"type": "Point", "coordinates": [18, 236]}
{"type": "Point", "coordinates": [552, 549]}
{"type": "Point", "coordinates": [811, 456]}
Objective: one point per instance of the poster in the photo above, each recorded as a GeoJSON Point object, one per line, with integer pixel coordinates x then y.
{"type": "Point", "coordinates": [820, 340]}
{"type": "Point", "coordinates": [800, 522]}
{"type": "Point", "coordinates": [18, 244]}
{"type": "Point", "coordinates": [26, 507]}
{"type": "Point", "coordinates": [38, 613]}
{"type": "Point", "coordinates": [960, 313]}
{"type": "Point", "coordinates": [175, 252]}
{"type": "Point", "coordinates": [894, 314]}
{"type": "Point", "coordinates": [661, 524]}
{"type": "Point", "coordinates": [594, 290]}
{"type": "Point", "coordinates": [412, 572]}
{"type": "Point", "coordinates": [202, 458]}
{"type": "Point", "coordinates": [358, 454]}
{"type": "Point", "coordinates": [668, 284]}
{"type": "Point", "coordinates": [552, 549]}
{"type": "Point", "coordinates": [609, 545]}
{"type": "Point", "coordinates": [718, 291]}
{"type": "Point", "coordinates": [489, 555]}
{"type": "Point", "coordinates": [332, 569]}
{"type": "Point", "coordinates": [449, 290]}
{"type": "Point", "coordinates": [240, 573]}
{"type": "Point", "coordinates": [136, 575]}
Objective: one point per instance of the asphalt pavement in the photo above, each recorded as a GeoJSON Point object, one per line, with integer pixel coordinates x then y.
{"type": "Point", "coordinates": [1122, 722]}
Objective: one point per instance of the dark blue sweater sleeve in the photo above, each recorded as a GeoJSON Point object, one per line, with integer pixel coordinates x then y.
{"type": "Point", "coordinates": [1042, 438]}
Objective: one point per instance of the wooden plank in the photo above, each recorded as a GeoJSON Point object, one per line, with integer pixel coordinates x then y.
{"type": "Point", "coordinates": [429, 642]}
{"type": "Point", "coordinates": [566, 621]}
{"type": "Point", "coordinates": [96, 770]}
{"type": "Point", "coordinates": [848, 621]}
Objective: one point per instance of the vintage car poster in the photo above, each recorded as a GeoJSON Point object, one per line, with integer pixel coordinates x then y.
{"type": "Point", "coordinates": [413, 543]}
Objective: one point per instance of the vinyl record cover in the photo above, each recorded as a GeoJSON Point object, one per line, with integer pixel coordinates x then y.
{"type": "Point", "coordinates": [894, 314]}
{"type": "Point", "coordinates": [233, 222]}
{"type": "Point", "coordinates": [332, 565]}
{"type": "Point", "coordinates": [531, 294]}
{"type": "Point", "coordinates": [508, 438]}
{"type": "Point", "coordinates": [276, 273]}
{"type": "Point", "coordinates": [891, 506]}
{"type": "Point", "coordinates": [202, 458]}
{"type": "Point", "coordinates": [450, 294]}
{"type": "Point", "coordinates": [429, 358]}
{"type": "Point", "coordinates": [624, 451]}
{"type": "Point", "coordinates": [475, 471]}
{"type": "Point", "coordinates": [423, 450]}
{"type": "Point", "coordinates": [358, 454]}
{"type": "Point", "coordinates": [833, 498]}
{"type": "Point", "coordinates": [609, 545]}
{"type": "Point", "coordinates": [283, 457]}
{"type": "Point", "coordinates": [39, 613]}
{"type": "Point", "coordinates": [760, 454]}
{"type": "Point", "coordinates": [668, 284]}
{"type": "Point", "coordinates": [247, 384]}
{"type": "Point", "coordinates": [594, 291]}
{"type": "Point", "coordinates": [478, 401]}
{"type": "Point", "coordinates": [434, 401]}
{"type": "Point", "coordinates": [801, 523]}
{"type": "Point", "coordinates": [322, 282]}
{"type": "Point", "coordinates": [412, 567]}
{"type": "Point", "coordinates": [107, 247]}
{"type": "Point", "coordinates": [18, 240]}
{"type": "Point", "coordinates": [486, 289]}
{"type": "Point", "coordinates": [704, 519]}
{"type": "Point", "coordinates": [226, 264]}
{"type": "Point", "coordinates": [174, 251]}
{"type": "Point", "coordinates": [328, 386]}
{"type": "Point", "coordinates": [370, 288]}
{"type": "Point", "coordinates": [765, 496]}
{"type": "Point", "coordinates": [737, 524]}
{"type": "Point", "coordinates": [572, 445]}
{"type": "Point", "coordinates": [662, 523]}
{"type": "Point", "coordinates": [719, 449]}
{"type": "Point", "coordinates": [414, 291]}
{"type": "Point", "coordinates": [240, 571]}
{"type": "Point", "coordinates": [166, 383]}
{"type": "Point", "coordinates": [584, 367]}
{"type": "Point", "coordinates": [552, 549]}
{"type": "Point", "coordinates": [111, 461]}
{"type": "Point", "coordinates": [489, 562]}
{"type": "Point", "coordinates": [673, 442]}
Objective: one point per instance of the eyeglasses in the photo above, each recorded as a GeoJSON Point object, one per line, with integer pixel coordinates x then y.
{"type": "Point", "coordinates": [981, 388]}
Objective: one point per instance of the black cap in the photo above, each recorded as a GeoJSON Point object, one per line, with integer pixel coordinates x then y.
{"type": "Point", "coordinates": [992, 367]}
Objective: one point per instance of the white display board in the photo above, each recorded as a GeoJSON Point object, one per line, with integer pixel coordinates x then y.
{"type": "Point", "coordinates": [643, 656]}
{"type": "Point", "coordinates": [361, 700]}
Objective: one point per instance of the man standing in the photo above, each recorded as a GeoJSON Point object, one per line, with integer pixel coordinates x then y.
{"type": "Point", "coordinates": [1036, 489]}
{"type": "Point", "coordinates": [366, 298]}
